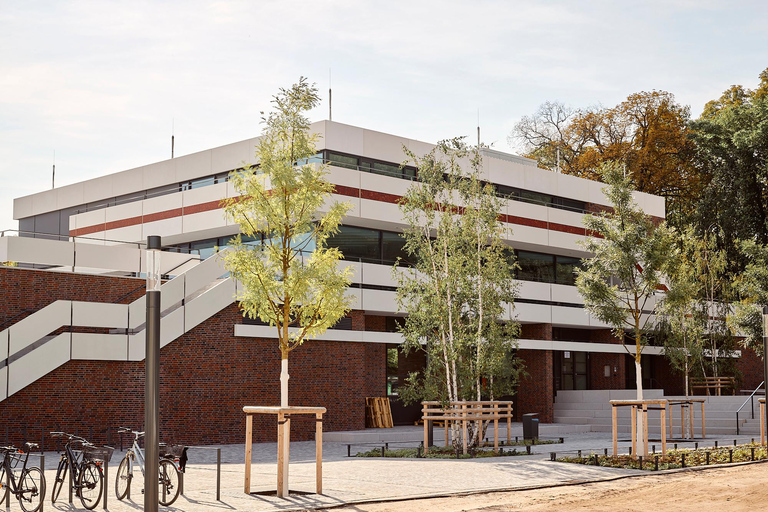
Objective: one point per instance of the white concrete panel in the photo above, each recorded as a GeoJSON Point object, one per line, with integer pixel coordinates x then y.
{"type": "Point", "coordinates": [378, 210]}
{"type": "Point", "coordinates": [378, 300]}
{"type": "Point", "coordinates": [572, 187]}
{"type": "Point", "coordinates": [137, 312]}
{"type": "Point", "coordinates": [563, 293]}
{"type": "Point", "coordinates": [567, 217]}
{"type": "Point", "coordinates": [204, 274]}
{"type": "Point", "coordinates": [383, 146]}
{"type": "Point", "coordinates": [127, 182]}
{"type": "Point", "coordinates": [98, 189]}
{"type": "Point", "coordinates": [44, 202]}
{"type": "Point", "coordinates": [99, 314]}
{"type": "Point", "coordinates": [190, 167]}
{"type": "Point", "coordinates": [507, 173]}
{"type": "Point", "coordinates": [26, 370]}
{"type": "Point", "coordinates": [4, 344]}
{"type": "Point", "coordinates": [527, 210]}
{"type": "Point", "coordinates": [71, 195]}
{"type": "Point", "coordinates": [113, 257]}
{"type": "Point", "coordinates": [123, 235]}
{"type": "Point", "coordinates": [172, 327]}
{"type": "Point", "coordinates": [123, 211]}
{"type": "Point", "coordinates": [202, 195]}
{"type": "Point", "coordinates": [539, 180]}
{"type": "Point", "coordinates": [87, 219]}
{"type": "Point", "coordinates": [163, 228]}
{"type": "Point", "coordinates": [596, 194]}
{"type": "Point", "coordinates": [356, 295]}
{"type": "Point", "coordinates": [162, 203]}
{"type": "Point", "coordinates": [530, 236]}
{"type": "Point", "coordinates": [569, 316]}
{"type": "Point", "coordinates": [3, 383]}
{"type": "Point", "coordinates": [343, 138]}
{"type": "Point", "coordinates": [38, 250]}
{"type": "Point", "coordinates": [137, 346]}
{"type": "Point", "coordinates": [22, 207]}
{"type": "Point", "coordinates": [380, 275]}
{"type": "Point", "coordinates": [232, 156]}
{"type": "Point", "coordinates": [567, 241]}
{"type": "Point", "coordinates": [205, 220]}
{"type": "Point", "coordinates": [535, 291]}
{"type": "Point", "coordinates": [99, 347]}
{"type": "Point", "coordinates": [384, 184]}
{"type": "Point", "coordinates": [594, 322]}
{"type": "Point", "coordinates": [38, 325]}
{"type": "Point", "coordinates": [344, 177]}
{"type": "Point", "coordinates": [158, 174]}
{"type": "Point", "coordinates": [353, 201]}
{"type": "Point", "coordinates": [171, 293]}
{"type": "Point", "coordinates": [533, 313]}
{"type": "Point", "coordinates": [209, 303]}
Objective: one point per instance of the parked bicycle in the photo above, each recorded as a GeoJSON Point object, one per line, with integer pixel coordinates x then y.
{"type": "Point", "coordinates": [85, 462]}
{"type": "Point", "coordinates": [27, 484]}
{"type": "Point", "coordinates": [169, 473]}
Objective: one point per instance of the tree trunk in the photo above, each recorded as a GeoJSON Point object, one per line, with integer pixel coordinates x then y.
{"type": "Point", "coordinates": [284, 381]}
{"type": "Point", "coordinates": [642, 446]}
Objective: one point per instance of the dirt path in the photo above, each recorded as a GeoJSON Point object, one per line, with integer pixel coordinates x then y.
{"type": "Point", "coordinates": [732, 489]}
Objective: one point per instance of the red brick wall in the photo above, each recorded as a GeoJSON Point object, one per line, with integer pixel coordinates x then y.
{"type": "Point", "coordinates": [536, 391]}
{"type": "Point", "coordinates": [598, 362]}
{"type": "Point", "coordinates": [751, 368]}
{"type": "Point", "coordinates": [206, 376]}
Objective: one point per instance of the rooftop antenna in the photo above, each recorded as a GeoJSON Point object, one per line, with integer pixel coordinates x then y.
{"type": "Point", "coordinates": [53, 174]}
{"type": "Point", "coordinates": [478, 128]}
{"type": "Point", "coordinates": [330, 99]}
{"type": "Point", "coordinates": [173, 128]}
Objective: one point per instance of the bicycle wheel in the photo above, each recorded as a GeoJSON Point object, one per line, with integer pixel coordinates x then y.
{"type": "Point", "coordinates": [3, 486]}
{"type": "Point", "coordinates": [31, 490]}
{"type": "Point", "coordinates": [61, 477]}
{"type": "Point", "coordinates": [89, 484]}
{"type": "Point", "coordinates": [123, 479]}
{"type": "Point", "coordinates": [169, 483]}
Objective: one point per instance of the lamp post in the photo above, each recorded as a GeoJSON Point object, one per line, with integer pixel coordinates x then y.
{"type": "Point", "coordinates": [152, 377]}
{"type": "Point", "coordinates": [765, 362]}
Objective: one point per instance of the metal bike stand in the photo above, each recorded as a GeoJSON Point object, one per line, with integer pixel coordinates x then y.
{"type": "Point", "coordinates": [106, 482]}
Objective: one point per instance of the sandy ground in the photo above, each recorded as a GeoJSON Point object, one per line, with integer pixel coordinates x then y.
{"type": "Point", "coordinates": [736, 488]}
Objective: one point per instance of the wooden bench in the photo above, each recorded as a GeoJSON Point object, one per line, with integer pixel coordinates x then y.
{"type": "Point", "coordinates": [718, 384]}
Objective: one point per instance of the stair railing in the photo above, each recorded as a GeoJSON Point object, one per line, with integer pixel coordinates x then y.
{"type": "Point", "coordinates": [751, 401]}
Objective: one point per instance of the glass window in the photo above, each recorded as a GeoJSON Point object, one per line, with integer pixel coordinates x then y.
{"type": "Point", "coordinates": [409, 173]}
{"type": "Point", "coordinates": [565, 270]}
{"type": "Point", "coordinates": [536, 267]}
{"type": "Point", "coordinates": [202, 182]}
{"type": "Point", "coordinates": [357, 243]}
{"type": "Point", "coordinates": [505, 191]}
{"type": "Point", "coordinates": [393, 377]}
{"type": "Point", "coordinates": [392, 246]}
{"type": "Point", "coordinates": [347, 162]}
{"type": "Point", "coordinates": [569, 204]}
{"type": "Point", "coordinates": [535, 197]}
{"type": "Point", "coordinates": [387, 169]}
{"type": "Point", "coordinates": [206, 248]}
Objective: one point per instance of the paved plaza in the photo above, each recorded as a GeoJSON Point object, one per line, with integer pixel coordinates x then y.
{"type": "Point", "coordinates": [351, 480]}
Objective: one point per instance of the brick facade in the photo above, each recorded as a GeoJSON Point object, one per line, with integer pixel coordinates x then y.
{"type": "Point", "coordinates": [536, 391]}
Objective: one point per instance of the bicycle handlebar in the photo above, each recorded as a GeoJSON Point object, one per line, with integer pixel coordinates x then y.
{"type": "Point", "coordinates": [127, 430]}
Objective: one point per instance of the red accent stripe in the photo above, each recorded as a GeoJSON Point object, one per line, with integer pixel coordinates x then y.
{"type": "Point", "coordinates": [339, 189]}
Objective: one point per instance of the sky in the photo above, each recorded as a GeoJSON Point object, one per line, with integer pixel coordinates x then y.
{"type": "Point", "coordinates": [101, 86]}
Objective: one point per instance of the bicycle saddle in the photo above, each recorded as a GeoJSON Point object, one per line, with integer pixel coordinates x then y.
{"type": "Point", "coordinates": [30, 446]}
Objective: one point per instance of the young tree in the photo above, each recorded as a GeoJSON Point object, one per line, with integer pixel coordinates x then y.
{"type": "Point", "coordinates": [460, 287]}
{"type": "Point", "coordinates": [290, 278]}
{"type": "Point", "coordinates": [620, 282]}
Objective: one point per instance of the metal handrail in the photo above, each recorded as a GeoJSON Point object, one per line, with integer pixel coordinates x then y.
{"type": "Point", "coordinates": [751, 399]}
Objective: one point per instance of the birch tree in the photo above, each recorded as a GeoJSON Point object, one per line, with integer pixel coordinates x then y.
{"type": "Point", "coordinates": [620, 284]}
{"type": "Point", "coordinates": [290, 278]}
{"type": "Point", "coordinates": [460, 287]}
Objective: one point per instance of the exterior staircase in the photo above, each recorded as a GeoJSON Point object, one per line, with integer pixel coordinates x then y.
{"type": "Point", "coordinates": [593, 408]}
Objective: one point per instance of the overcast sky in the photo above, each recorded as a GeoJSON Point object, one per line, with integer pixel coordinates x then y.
{"type": "Point", "coordinates": [103, 83]}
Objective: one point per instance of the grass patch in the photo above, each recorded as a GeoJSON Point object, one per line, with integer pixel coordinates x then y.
{"type": "Point", "coordinates": [676, 458]}
{"type": "Point", "coordinates": [440, 452]}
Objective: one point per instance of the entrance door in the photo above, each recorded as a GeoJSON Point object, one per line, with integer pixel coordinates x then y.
{"type": "Point", "coordinates": [574, 370]}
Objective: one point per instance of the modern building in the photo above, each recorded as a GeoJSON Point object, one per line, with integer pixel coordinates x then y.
{"type": "Point", "coordinates": [72, 318]}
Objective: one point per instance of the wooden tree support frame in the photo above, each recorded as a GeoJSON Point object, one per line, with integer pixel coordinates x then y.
{"type": "Point", "coordinates": [465, 412]}
{"type": "Point", "coordinates": [687, 404]}
{"type": "Point", "coordinates": [643, 407]}
{"type": "Point", "coordinates": [283, 444]}
{"type": "Point", "coordinates": [378, 412]}
{"type": "Point", "coordinates": [761, 401]}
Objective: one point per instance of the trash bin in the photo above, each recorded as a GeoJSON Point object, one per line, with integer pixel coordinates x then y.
{"type": "Point", "coordinates": [530, 426]}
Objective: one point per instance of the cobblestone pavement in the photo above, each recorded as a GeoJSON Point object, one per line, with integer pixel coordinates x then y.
{"type": "Point", "coordinates": [349, 480]}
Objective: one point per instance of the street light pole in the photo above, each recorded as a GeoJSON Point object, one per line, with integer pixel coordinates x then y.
{"type": "Point", "coordinates": [152, 377]}
{"type": "Point", "coordinates": [765, 362]}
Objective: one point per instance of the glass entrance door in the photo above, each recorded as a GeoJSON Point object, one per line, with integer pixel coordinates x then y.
{"type": "Point", "coordinates": [574, 370]}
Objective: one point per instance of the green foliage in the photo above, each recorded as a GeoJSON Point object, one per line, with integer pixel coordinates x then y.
{"type": "Point", "coordinates": [631, 256]}
{"type": "Point", "coordinates": [747, 317]}
{"type": "Point", "coordinates": [285, 282]}
{"type": "Point", "coordinates": [459, 292]}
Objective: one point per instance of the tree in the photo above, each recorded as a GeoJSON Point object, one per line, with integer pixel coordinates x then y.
{"type": "Point", "coordinates": [731, 159]}
{"type": "Point", "coordinates": [290, 278]}
{"type": "Point", "coordinates": [747, 318]}
{"type": "Point", "coordinates": [693, 315]}
{"type": "Point", "coordinates": [620, 282]}
{"type": "Point", "coordinates": [460, 287]}
{"type": "Point", "coordinates": [647, 133]}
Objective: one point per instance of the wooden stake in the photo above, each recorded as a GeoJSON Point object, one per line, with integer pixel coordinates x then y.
{"type": "Point", "coordinates": [248, 446]}
{"type": "Point", "coordinates": [614, 424]}
{"type": "Point", "coordinates": [319, 453]}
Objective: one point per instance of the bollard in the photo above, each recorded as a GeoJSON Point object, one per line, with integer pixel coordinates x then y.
{"type": "Point", "coordinates": [640, 460]}
{"type": "Point", "coordinates": [730, 455]}
{"type": "Point", "coordinates": [7, 484]}
{"type": "Point", "coordinates": [696, 445]}
{"type": "Point", "coordinates": [561, 439]}
{"type": "Point", "coordinates": [753, 440]}
{"type": "Point", "coordinates": [579, 454]}
{"type": "Point", "coordinates": [382, 451]}
{"type": "Point", "coordinates": [349, 449]}
{"type": "Point", "coordinates": [418, 452]}
{"type": "Point", "coordinates": [386, 446]}
{"type": "Point", "coordinates": [734, 443]}
{"type": "Point", "coordinates": [528, 449]}
{"type": "Point", "coordinates": [675, 446]}
{"type": "Point", "coordinates": [106, 481]}
{"type": "Point", "coordinates": [597, 460]}
{"type": "Point", "coordinates": [70, 484]}
{"type": "Point", "coordinates": [707, 457]}
{"type": "Point", "coordinates": [605, 451]}
{"type": "Point", "coordinates": [753, 453]}
{"type": "Point", "coordinates": [218, 474]}
{"type": "Point", "coordinates": [683, 459]}
{"type": "Point", "coordinates": [656, 463]}
{"type": "Point", "coordinates": [653, 448]}
{"type": "Point", "coordinates": [552, 456]}
{"type": "Point", "coordinates": [715, 444]}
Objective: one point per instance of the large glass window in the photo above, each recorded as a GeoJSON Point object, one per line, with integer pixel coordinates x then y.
{"type": "Point", "coordinates": [392, 245]}
{"type": "Point", "coordinates": [565, 270]}
{"type": "Point", "coordinates": [357, 243]}
{"type": "Point", "coordinates": [347, 162]}
{"type": "Point", "coordinates": [536, 267]}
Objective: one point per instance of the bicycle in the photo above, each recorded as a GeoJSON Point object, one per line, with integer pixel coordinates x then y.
{"type": "Point", "coordinates": [29, 488]}
{"type": "Point", "coordinates": [85, 464]}
{"type": "Point", "coordinates": [168, 474]}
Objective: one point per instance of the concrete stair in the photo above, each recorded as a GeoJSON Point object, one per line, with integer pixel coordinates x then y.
{"type": "Point", "coordinates": [593, 409]}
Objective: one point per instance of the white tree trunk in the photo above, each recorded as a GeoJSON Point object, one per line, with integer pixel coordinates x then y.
{"type": "Point", "coordinates": [642, 446]}
{"type": "Point", "coordinates": [284, 382]}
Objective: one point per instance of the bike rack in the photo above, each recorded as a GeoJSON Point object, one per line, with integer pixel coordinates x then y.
{"type": "Point", "coordinates": [41, 456]}
{"type": "Point", "coordinates": [218, 470]}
